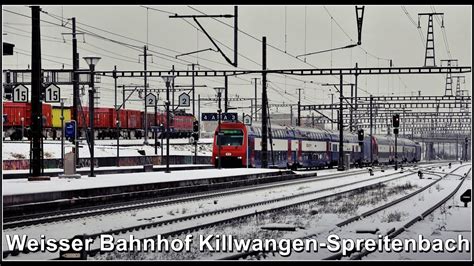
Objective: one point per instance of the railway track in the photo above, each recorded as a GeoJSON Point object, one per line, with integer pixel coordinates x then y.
{"type": "Point", "coordinates": [39, 220]}
{"type": "Point", "coordinates": [64, 215]}
{"type": "Point", "coordinates": [34, 219]}
{"type": "Point", "coordinates": [390, 233]}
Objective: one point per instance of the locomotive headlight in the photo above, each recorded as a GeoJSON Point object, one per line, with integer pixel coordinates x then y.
{"type": "Point", "coordinates": [240, 157]}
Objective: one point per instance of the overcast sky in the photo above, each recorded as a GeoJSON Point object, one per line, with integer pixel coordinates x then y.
{"type": "Point", "coordinates": [388, 33]}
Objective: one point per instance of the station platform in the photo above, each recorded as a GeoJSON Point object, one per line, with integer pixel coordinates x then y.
{"type": "Point", "coordinates": [84, 171]}
{"type": "Point", "coordinates": [64, 193]}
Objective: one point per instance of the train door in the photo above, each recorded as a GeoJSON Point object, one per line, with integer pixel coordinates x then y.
{"type": "Point", "coordinates": [300, 152]}
{"type": "Point", "coordinates": [289, 154]}
{"type": "Point", "coordinates": [375, 149]}
{"type": "Point", "coordinates": [251, 150]}
{"type": "Point", "coordinates": [294, 151]}
{"type": "Point", "coordinates": [328, 152]}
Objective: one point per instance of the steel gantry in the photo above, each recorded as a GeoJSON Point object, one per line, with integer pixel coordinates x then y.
{"type": "Point", "coordinates": [14, 77]}
{"type": "Point", "coordinates": [64, 76]}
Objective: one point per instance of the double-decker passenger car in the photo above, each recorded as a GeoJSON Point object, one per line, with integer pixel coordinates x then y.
{"type": "Point", "coordinates": [289, 147]}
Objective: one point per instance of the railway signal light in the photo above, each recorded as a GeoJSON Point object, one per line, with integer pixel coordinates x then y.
{"type": "Point", "coordinates": [196, 126]}
{"type": "Point", "coordinates": [466, 197]}
{"type": "Point", "coordinates": [395, 131]}
{"type": "Point", "coordinates": [360, 135]}
{"type": "Point", "coordinates": [396, 121]}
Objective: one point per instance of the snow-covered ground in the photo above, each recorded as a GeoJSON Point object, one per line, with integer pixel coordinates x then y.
{"type": "Point", "coordinates": [105, 148]}
{"type": "Point", "coordinates": [447, 222]}
{"type": "Point", "coordinates": [136, 167]}
{"type": "Point", "coordinates": [141, 216]}
{"type": "Point", "coordinates": [393, 217]}
{"type": "Point", "coordinates": [23, 186]}
{"type": "Point", "coordinates": [321, 223]}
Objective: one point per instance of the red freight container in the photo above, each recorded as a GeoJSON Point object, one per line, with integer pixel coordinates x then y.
{"type": "Point", "coordinates": [123, 118]}
{"type": "Point", "coordinates": [83, 115]}
{"type": "Point", "coordinates": [15, 111]}
{"type": "Point", "coordinates": [134, 119]}
{"type": "Point", "coordinates": [103, 117]}
{"type": "Point", "coordinates": [47, 114]}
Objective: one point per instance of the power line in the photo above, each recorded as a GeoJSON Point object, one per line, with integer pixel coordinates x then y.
{"type": "Point", "coordinates": [416, 26]}
{"type": "Point", "coordinates": [28, 54]}
{"type": "Point", "coordinates": [443, 30]}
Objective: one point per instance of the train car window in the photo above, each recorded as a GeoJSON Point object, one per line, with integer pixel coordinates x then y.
{"type": "Point", "coordinates": [231, 137]}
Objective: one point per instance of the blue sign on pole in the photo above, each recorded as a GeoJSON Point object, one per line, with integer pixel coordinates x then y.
{"type": "Point", "coordinates": [229, 116]}
{"type": "Point", "coordinates": [215, 117]}
{"type": "Point", "coordinates": [209, 117]}
{"type": "Point", "coordinates": [70, 129]}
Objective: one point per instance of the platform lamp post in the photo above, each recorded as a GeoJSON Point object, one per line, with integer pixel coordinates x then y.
{"type": "Point", "coordinates": [168, 80]}
{"type": "Point", "coordinates": [91, 61]}
{"type": "Point", "coordinates": [219, 112]}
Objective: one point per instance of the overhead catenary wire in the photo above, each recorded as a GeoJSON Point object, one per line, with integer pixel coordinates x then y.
{"type": "Point", "coordinates": [443, 30]}
{"type": "Point", "coordinates": [93, 34]}
{"type": "Point", "coordinates": [285, 49]}
{"type": "Point", "coordinates": [416, 26]}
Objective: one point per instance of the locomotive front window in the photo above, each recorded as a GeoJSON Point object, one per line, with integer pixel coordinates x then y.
{"type": "Point", "coordinates": [231, 137]}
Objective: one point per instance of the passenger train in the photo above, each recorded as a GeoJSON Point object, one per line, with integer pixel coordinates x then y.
{"type": "Point", "coordinates": [305, 148]}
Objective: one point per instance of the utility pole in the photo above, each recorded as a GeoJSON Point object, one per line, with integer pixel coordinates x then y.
{"type": "Point", "coordinates": [219, 139]}
{"type": "Point", "coordinates": [350, 109]}
{"type": "Point", "coordinates": [291, 115]}
{"type": "Point", "coordinates": [355, 84]}
{"type": "Point", "coordinates": [226, 93]}
{"type": "Point", "coordinates": [145, 55]}
{"type": "Point", "coordinates": [256, 99]}
{"type": "Point", "coordinates": [332, 111]}
{"type": "Point", "coordinates": [466, 142]}
{"type": "Point", "coordinates": [192, 80]}
{"type": "Point", "coordinates": [264, 154]}
{"type": "Point", "coordinates": [75, 86]}
{"type": "Point", "coordinates": [156, 126]}
{"type": "Point", "coordinates": [371, 125]}
{"type": "Point", "coordinates": [36, 157]}
{"type": "Point", "coordinates": [172, 92]}
{"type": "Point", "coordinates": [199, 112]}
{"type": "Point", "coordinates": [448, 91]}
{"type": "Point", "coordinates": [341, 128]}
{"type": "Point", "coordinates": [430, 50]}
{"type": "Point", "coordinates": [117, 115]}
{"type": "Point", "coordinates": [298, 122]}
{"type": "Point", "coordinates": [62, 132]}
{"type": "Point", "coordinates": [123, 96]}
{"type": "Point", "coordinates": [91, 61]}
{"type": "Point", "coordinates": [457, 147]}
{"type": "Point", "coordinates": [167, 103]}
